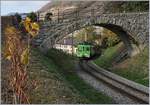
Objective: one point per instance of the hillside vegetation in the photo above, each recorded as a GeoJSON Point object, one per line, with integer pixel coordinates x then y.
{"type": "Point", "coordinates": [135, 68]}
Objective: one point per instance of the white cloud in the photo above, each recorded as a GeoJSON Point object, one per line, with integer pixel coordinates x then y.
{"type": "Point", "coordinates": [29, 3]}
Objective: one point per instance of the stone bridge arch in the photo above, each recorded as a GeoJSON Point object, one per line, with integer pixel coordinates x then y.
{"type": "Point", "coordinates": [126, 25]}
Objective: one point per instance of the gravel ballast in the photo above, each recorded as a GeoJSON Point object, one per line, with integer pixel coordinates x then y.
{"type": "Point", "coordinates": [117, 96]}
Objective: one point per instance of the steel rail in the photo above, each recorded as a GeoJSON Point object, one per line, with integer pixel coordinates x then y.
{"type": "Point", "coordinates": [132, 89]}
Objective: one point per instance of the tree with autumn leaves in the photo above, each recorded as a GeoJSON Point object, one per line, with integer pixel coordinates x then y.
{"type": "Point", "coordinates": [87, 34]}
{"type": "Point", "coordinates": [109, 37]}
{"type": "Point", "coordinates": [105, 38]}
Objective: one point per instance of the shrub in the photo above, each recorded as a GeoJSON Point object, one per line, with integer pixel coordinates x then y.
{"type": "Point", "coordinates": [109, 38]}
{"type": "Point", "coordinates": [18, 17]}
{"type": "Point", "coordinates": [32, 16]}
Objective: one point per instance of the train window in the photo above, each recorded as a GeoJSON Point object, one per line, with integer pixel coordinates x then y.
{"type": "Point", "coordinates": [87, 49]}
{"type": "Point", "coordinates": [83, 48]}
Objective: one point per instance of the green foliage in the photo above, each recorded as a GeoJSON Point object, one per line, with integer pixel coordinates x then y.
{"type": "Point", "coordinates": [48, 16]}
{"type": "Point", "coordinates": [22, 28]}
{"type": "Point", "coordinates": [64, 59]}
{"type": "Point", "coordinates": [32, 16]}
{"type": "Point", "coordinates": [135, 68]}
{"type": "Point", "coordinates": [18, 17]}
{"type": "Point", "coordinates": [51, 74]}
{"type": "Point", "coordinates": [106, 59]}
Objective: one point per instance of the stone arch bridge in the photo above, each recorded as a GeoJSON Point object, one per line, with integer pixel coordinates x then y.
{"type": "Point", "coordinates": [130, 27]}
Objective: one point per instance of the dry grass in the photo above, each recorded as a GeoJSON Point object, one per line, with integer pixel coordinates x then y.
{"type": "Point", "coordinates": [135, 68]}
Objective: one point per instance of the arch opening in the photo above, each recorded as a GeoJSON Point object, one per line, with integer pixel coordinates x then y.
{"type": "Point", "coordinates": [128, 41]}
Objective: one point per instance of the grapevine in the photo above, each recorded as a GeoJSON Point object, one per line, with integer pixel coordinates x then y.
{"type": "Point", "coordinates": [17, 52]}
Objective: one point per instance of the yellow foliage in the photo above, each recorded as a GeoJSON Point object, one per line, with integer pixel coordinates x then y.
{"type": "Point", "coordinates": [35, 26]}
{"type": "Point", "coordinates": [11, 34]}
{"type": "Point", "coordinates": [27, 25]}
{"type": "Point", "coordinates": [28, 19]}
{"type": "Point", "coordinates": [7, 54]}
{"type": "Point", "coordinates": [14, 49]}
{"type": "Point", "coordinates": [8, 57]}
{"type": "Point", "coordinates": [32, 28]}
{"type": "Point", "coordinates": [9, 50]}
{"type": "Point", "coordinates": [25, 56]}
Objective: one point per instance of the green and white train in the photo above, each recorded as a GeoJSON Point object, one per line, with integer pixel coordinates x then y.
{"type": "Point", "coordinates": [87, 50]}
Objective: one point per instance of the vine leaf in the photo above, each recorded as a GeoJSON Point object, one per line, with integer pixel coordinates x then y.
{"type": "Point", "coordinates": [25, 56]}
{"type": "Point", "coordinates": [34, 29]}
{"type": "Point", "coordinates": [31, 27]}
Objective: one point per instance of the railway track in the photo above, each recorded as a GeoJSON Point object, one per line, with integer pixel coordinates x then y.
{"type": "Point", "coordinates": [133, 90]}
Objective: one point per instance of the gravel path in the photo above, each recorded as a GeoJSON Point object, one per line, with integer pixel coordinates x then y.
{"type": "Point", "coordinates": [117, 96]}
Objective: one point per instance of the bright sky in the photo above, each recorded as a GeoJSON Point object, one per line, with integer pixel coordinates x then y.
{"type": "Point", "coordinates": [21, 6]}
